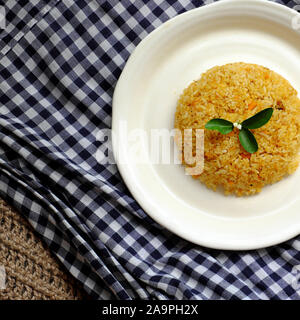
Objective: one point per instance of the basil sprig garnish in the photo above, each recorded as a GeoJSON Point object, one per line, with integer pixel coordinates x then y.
{"type": "Point", "coordinates": [246, 137]}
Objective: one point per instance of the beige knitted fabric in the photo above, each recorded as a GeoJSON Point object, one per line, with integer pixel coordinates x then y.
{"type": "Point", "coordinates": [31, 271]}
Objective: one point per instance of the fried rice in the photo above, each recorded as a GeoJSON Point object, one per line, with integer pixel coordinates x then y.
{"type": "Point", "coordinates": [236, 92]}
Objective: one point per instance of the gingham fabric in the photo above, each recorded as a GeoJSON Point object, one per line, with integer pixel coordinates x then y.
{"type": "Point", "coordinates": [60, 61]}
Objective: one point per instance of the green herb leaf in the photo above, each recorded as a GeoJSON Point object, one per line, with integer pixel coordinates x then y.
{"type": "Point", "coordinates": [258, 120]}
{"type": "Point", "coordinates": [248, 140]}
{"type": "Point", "coordinates": [221, 125]}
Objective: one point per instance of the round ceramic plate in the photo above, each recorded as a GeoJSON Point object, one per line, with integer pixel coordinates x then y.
{"type": "Point", "coordinates": [166, 62]}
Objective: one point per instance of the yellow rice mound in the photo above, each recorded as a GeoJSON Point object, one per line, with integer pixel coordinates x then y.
{"type": "Point", "coordinates": [236, 92]}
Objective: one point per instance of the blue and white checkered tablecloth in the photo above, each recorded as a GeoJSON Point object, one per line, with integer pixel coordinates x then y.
{"type": "Point", "coordinates": [60, 61]}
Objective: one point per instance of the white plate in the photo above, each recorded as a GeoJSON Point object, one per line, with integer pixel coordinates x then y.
{"type": "Point", "coordinates": [163, 64]}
